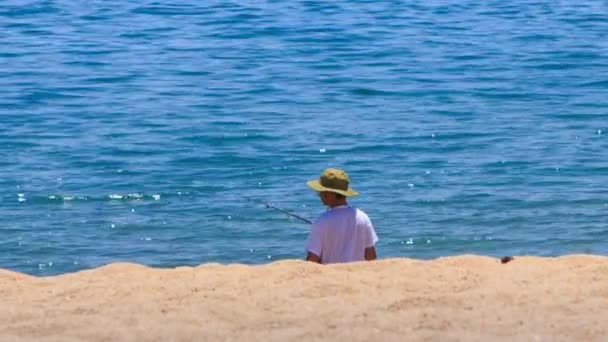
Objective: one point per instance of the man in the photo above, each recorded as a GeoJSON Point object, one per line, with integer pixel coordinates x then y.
{"type": "Point", "coordinates": [342, 233]}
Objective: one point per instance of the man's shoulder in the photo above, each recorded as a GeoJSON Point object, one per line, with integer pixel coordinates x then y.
{"type": "Point", "coordinates": [323, 217]}
{"type": "Point", "coordinates": [348, 211]}
{"type": "Point", "coordinates": [362, 216]}
{"type": "Point", "coordinates": [360, 212]}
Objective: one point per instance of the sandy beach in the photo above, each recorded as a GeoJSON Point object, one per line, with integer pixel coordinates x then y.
{"type": "Point", "coordinates": [465, 298]}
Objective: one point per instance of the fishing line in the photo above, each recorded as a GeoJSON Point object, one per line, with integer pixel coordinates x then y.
{"type": "Point", "coordinates": [270, 206]}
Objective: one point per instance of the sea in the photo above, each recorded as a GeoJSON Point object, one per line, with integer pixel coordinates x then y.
{"type": "Point", "coordinates": [176, 133]}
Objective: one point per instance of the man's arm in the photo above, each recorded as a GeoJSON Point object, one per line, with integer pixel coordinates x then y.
{"type": "Point", "coordinates": [314, 246]}
{"type": "Point", "coordinates": [370, 253]}
{"type": "Point", "coordinates": [372, 238]}
{"type": "Point", "coordinates": [313, 258]}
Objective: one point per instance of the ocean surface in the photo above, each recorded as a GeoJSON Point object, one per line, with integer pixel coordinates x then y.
{"type": "Point", "coordinates": [152, 131]}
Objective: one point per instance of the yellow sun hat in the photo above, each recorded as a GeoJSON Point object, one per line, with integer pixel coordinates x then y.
{"type": "Point", "coordinates": [333, 180]}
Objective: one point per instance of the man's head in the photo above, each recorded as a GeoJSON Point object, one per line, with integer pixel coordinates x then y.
{"type": "Point", "coordinates": [332, 199]}
{"type": "Point", "coordinates": [333, 186]}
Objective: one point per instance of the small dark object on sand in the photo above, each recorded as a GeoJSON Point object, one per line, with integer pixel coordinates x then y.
{"type": "Point", "coordinates": [506, 259]}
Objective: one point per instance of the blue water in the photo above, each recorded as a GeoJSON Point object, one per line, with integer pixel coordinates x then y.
{"type": "Point", "coordinates": [141, 131]}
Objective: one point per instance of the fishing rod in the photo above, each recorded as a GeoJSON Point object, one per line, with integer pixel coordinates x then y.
{"type": "Point", "coordinates": [270, 206]}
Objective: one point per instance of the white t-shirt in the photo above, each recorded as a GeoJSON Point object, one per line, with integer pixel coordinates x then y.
{"type": "Point", "coordinates": [341, 234]}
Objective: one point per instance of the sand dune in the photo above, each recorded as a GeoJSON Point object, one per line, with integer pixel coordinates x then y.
{"type": "Point", "coordinates": [465, 298]}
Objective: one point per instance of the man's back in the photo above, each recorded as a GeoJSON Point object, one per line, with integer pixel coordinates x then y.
{"type": "Point", "coordinates": [341, 234]}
